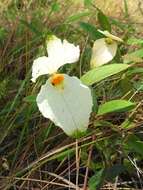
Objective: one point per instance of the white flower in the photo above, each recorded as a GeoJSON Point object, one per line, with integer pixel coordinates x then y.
{"type": "Point", "coordinates": [104, 49]}
{"type": "Point", "coordinates": [63, 99]}
{"type": "Point", "coordinates": [68, 107]}
{"type": "Point", "coordinates": [59, 53]}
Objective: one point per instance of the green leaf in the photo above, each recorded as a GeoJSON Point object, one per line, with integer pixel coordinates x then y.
{"type": "Point", "coordinates": [114, 171]}
{"type": "Point", "coordinates": [95, 104]}
{"type": "Point", "coordinates": [118, 24]}
{"type": "Point", "coordinates": [135, 70]}
{"type": "Point", "coordinates": [100, 73]}
{"type": "Point", "coordinates": [138, 85]}
{"type": "Point", "coordinates": [55, 7]}
{"type": "Point", "coordinates": [135, 56]}
{"type": "Point", "coordinates": [32, 27]}
{"type": "Point", "coordinates": [91, 30]}
{"type": "Point", "coordinates": [134, 41]}
{"type": "Point", "coordinates": [115, 106]}
{"type": "Point", "coordinates": [103, 21]}
{"type": "Point", "coordinates": [128, 124]}
{"type": "Point", "coordinates": [88, 3]}
{"type": "Point", "coordinates": [138, 53]}
{"type": "Point", "coordinates": [126, 85]}
{"type": "Point", "coordinates": [126, 9]}
{"type": "Point", "coordinates": [30, 99]}
{"type": "Point", "coordinates": [77, 16]}
{"type": "Point", "coordinates": [135, 144]}
{"type": "Point", "coordinates": [3, 33]}
{"type": "Point", "coordinates": [96, 180]}
{"type": "Point", "coordinates": [61, 156]}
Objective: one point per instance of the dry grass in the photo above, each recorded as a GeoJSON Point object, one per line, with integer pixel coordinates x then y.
{"type": "Point", "coordinates": [112, 8]}
{"type": "Point", "coordinates": [36, 154]}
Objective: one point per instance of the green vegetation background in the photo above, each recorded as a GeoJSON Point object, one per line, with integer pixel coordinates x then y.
{"type": "Point", "coordinates": [33, 152]}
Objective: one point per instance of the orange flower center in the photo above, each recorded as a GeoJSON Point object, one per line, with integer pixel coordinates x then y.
{"type": "Point", "coordinates": [57, 79]}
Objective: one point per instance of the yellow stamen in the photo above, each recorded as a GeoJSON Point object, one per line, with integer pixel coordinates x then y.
{"type": "Point", "coordinates": [109, 41]}
{"type": "Point", "coordinates": [57, 79]}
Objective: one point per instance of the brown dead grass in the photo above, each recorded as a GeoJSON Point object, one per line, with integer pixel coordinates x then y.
{"type": "Point", "coordinates": [115, 8]}
{"type": "Point", "coordinates": [112, 8]}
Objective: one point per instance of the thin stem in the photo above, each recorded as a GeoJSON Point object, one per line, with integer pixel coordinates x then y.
{"type": "Point", "coordinates": [88, 162]}
{"type": "Point", "coordinates": [77, 164]}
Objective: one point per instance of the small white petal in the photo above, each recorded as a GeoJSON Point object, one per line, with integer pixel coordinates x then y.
{"type": "Point", "coordinates": [109, 35]}
{"type": "Point", "coordinates": [59, 53]}
{"type": "Point", "coordinates": [41, 66]}
{"type": "Point", "coordinates": [102, 52]}
{"type": "Point", "coordinates": [68, 107]}
{"type": "Point", "coordinates": [55, 47]}
{"type": "Point", "coordinates": [62, 52]}
{"type": "Point", "coordinates": [71, 52]}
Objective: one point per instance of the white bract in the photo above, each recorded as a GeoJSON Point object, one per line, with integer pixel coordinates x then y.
{"type": "Point", "coordinates": [68, 107]}
{"type": "Point", "coordinates": [104, 49]}
{"type": "Point", "coordinates": [59, 53]}
{"type": "Point", "coordinates": [63, 99]}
